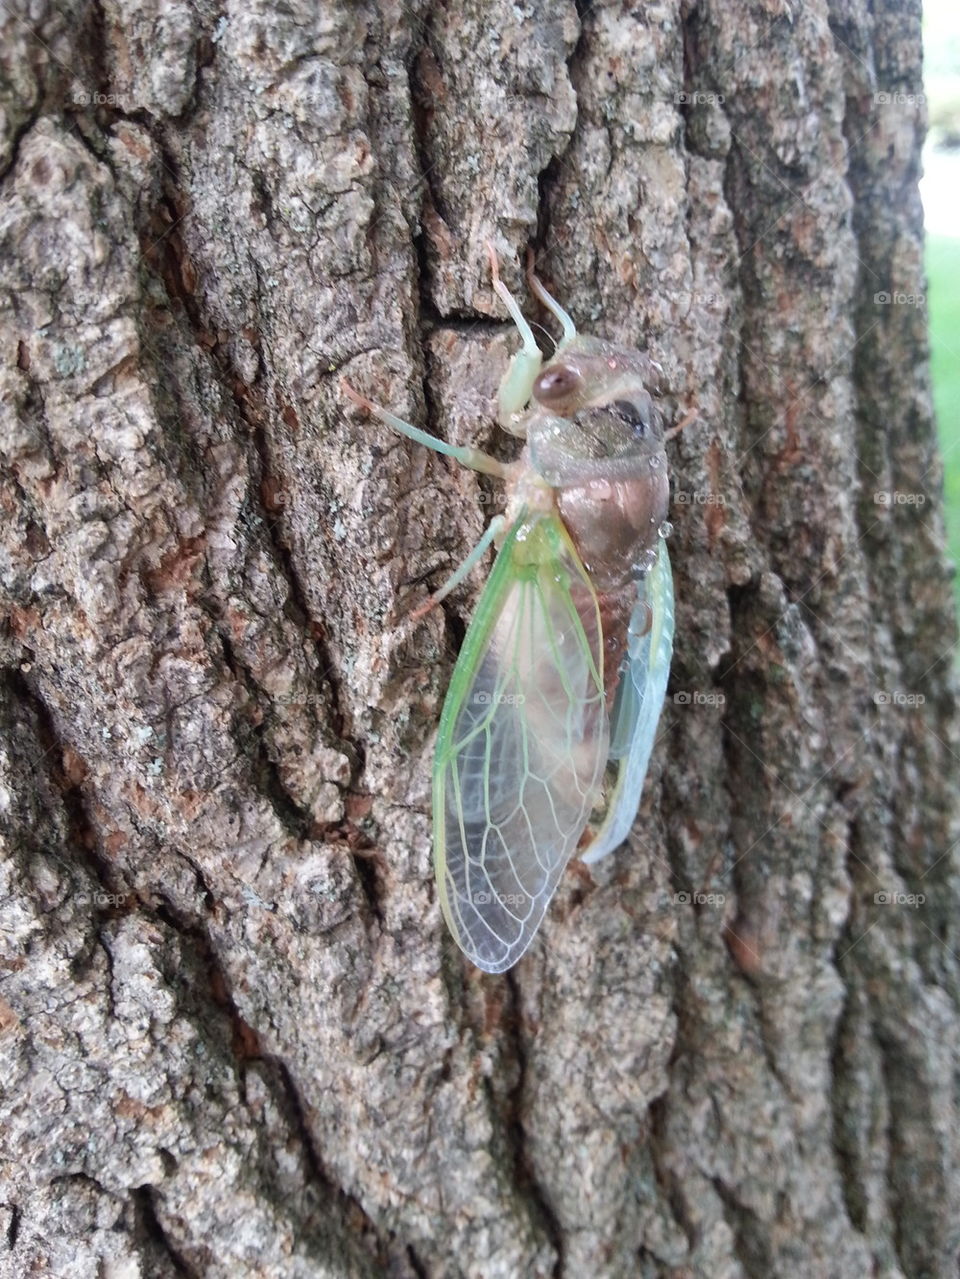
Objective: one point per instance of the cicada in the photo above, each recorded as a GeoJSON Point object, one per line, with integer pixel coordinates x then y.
{"type": "Point", "coordinates": [552, 709]}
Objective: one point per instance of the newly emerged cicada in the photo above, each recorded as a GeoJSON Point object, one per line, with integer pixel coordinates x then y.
{"type": "Point", "coordinates": [564, 667]}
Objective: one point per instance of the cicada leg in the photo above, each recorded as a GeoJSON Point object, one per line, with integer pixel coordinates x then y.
{"type": "Point", "coordinates": [494, 528]}
{"type": "Point", "coordinates": [552, 305]}
{"type": "Point", "coordinates": [516, 385]}
{"type": "Point", "coordinates": [475, 459]}
{"type": "Point", "coordinates": [685, 421]}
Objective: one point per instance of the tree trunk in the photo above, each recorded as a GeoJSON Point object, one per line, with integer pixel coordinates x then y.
{"type": "Point", "coordinates": [237, 1038]}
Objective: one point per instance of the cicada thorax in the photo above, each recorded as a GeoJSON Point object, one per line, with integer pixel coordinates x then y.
{"type": "Point", "coordinates": [595, 435]}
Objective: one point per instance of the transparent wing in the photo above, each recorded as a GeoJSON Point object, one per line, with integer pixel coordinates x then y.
{"type": "Point", "coordinates": [639, 701]}
{"type": "Point", "coordinates": [522, 745]}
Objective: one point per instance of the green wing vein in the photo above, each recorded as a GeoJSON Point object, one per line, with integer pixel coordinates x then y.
{"type": "Point", "coordinates": [522, 744]}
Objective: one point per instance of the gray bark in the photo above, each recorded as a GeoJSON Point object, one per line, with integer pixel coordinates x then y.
{"type": "Point", "coordinates": [236, 1038]}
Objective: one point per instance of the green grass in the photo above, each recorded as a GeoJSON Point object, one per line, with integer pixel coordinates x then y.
{"type": "Point", "coordinates": [943, 284]}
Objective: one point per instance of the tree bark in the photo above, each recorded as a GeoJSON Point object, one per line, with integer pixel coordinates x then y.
{"type": "Point", "coordinates": [236, 1037]}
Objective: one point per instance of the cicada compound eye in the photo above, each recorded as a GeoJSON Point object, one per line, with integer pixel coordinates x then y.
{"type": "Point", "coordinates": [557, 384]}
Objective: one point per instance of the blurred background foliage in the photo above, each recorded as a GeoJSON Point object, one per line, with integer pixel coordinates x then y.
{"type": "Point", "coordinates": [940, 189]}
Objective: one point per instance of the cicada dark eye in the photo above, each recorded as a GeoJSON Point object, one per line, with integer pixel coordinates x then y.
{"type": "Point", "coordinates": [557, 384]}
{"type": "Point", "coordinates": [636, 416]}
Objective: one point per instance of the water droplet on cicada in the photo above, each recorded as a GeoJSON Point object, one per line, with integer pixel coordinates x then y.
{"type": "Point", "coordinates": [665, 529]}
{"type": "Point", "coordinates": [645, 563]}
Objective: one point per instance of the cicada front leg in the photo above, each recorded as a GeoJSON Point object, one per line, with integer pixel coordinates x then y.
{"type": "Point", "coordinates": [475, 459]}
{"type": "Point", "coordinates": [516, 385]}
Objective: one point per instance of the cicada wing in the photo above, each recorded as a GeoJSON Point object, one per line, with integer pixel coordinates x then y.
{"type": "Point", "coordinates": [522, 745]}
{"type": "Point", "coordinates": [638, 704]}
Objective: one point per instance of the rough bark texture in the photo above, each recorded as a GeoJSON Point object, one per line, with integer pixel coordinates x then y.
{"type": "Point", "coordinates": [236, 1039]}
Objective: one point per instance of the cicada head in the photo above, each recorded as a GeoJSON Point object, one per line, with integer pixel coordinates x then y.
{"type": "Point", "coordinates": [596, 435]}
